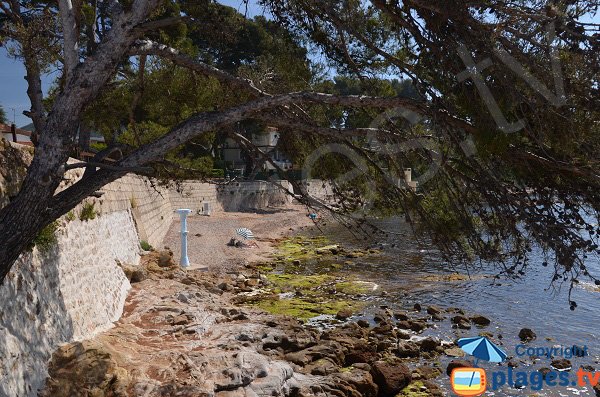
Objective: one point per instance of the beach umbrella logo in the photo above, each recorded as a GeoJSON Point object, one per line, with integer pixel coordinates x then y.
{"type": "Point", "coordinates": [482, 349]}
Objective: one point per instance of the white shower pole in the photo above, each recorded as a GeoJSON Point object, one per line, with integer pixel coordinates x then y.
{"type": "Point", "coordinates": [183, 214]}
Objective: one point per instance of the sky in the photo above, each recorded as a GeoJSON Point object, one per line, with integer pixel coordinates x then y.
{"type": "Point", "coordinates": [13, 86]}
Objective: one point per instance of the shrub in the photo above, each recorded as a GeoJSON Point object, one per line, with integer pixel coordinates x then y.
{"type": "Point", "coordinates": [145, 245]}
{"type": "Point", "coordinates": [98, 146]}
{"type": "Point", "coordinates": [47, 237]}
{"type": "Point", "coordinates": [70, 217]}
{"type": "Point", "coordinates": [217, 173]}
{"type": "Point", "coordinates": [87, 212]}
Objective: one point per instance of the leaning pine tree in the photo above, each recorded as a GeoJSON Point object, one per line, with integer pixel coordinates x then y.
{"type": "Point", "coordinates": [503, 129]}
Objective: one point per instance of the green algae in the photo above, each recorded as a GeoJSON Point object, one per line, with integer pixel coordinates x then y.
{"type": "Point", "coordinates": [303, 281]}
{"type": "Point", "coordinates": [300, 248]}
{"type": "Point", "coordinates": [414, 390]}
{"type": "Point", "coordinates": [298, 281]}
{"type": "Point", "coordinates": [303, 309]}
{"type": "Point", "coordinates": [354, 287]}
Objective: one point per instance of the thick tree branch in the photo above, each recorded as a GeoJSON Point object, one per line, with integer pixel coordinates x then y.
{"type": "Point", "coordinates": [70, 36]}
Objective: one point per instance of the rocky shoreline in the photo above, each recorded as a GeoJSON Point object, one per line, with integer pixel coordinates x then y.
{"type": "Point", "coordinates": [209, 334]}
{"type": "Point", "coordinates": [182, 335]}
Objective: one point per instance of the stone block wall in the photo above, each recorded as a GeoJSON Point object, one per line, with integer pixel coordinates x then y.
{"type": "Point", "coordinates": [254, 195]}
{"type": "Point", "coordinates": [70, 292]}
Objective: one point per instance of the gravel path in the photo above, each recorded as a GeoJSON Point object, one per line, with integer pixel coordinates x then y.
{"type": "Point", "coordinates": [208, 236]}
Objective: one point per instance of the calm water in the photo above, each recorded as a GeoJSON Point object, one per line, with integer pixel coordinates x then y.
{"type": "Point", "coordinates": [409, 273]}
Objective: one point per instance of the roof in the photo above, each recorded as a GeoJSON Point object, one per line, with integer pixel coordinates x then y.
{"type": "Point", "coordinates": [5, 128]}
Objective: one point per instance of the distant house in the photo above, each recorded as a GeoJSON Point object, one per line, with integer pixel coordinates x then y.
{"type": "Point", "coordinates": [266, 141]}
{"type": "Point", "coordinates": [94, 137]}
{"type": "Point", "coordinates": [20, 135]}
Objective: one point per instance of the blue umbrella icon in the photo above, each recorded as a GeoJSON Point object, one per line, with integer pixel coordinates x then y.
{"type": "Point", "coordinates": [482, 349]}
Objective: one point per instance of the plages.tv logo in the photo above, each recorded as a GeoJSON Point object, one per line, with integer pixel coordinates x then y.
{"type": "Point", "coordinates": [469, 382]}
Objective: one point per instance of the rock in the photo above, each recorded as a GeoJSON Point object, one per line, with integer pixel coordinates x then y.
{"type": "Point", "coordinates": [252, 282]}
{"type": "Point", "coordinates": [363, 323]}
{"type": "Point", "coordinates": [361, 352]}
{"type": "Point", "coordinates": [417, 326]}
{"type": "Point", "coordinates": [391, 378]}
{"type": "Point", "coordinates": [296, 262]}
{"type": "Point", "coordinates": [561, 364]}
{"type": "Point", "coordinates": [458, 319]}
{"type": "Point", "coordinates": [183, 298]}
{"type": "Point", "coordinates": [526, 335]}
{"type": "Point", "coordinates": [329, 249]}
{"type": "Point", "coordinates": [454, 352]}
{"type": "Point", "coordinates": [457, 364]}
{"type": "Point", "coordinates": [433, 310]}
{"type": "Point", "coordinates": [85, 369]}
{"type": "Point", "coordinates": [597, 390]}
{"type": "Point", "coordinates": [328, 349]}
{"type": "Point", "coordinates": [417, 307]}
{"type": "Point", "coordinates": [480, 320]}
{"type": "Point", "coordinates": [363, 366]}
{"type": "Point", "coordinates": [138, 275]}
{"type": "Point", "coordinates": [344, 314]}
{"type": "Point", "coordinates": [225, 286]}
{"type": "Point", "coordinates": [355, 382]}
{"type": "Point", "coordinates": [461, 322]}
{"type": "Point", "coordinates": [403, 324]}
{"type": "Point", "coordinates": [165, 259]}
{"type": "Point", "coordinates": [180, 320]}
{"type": "Point", "coordinates": [402, 316]}
{"type": "Point", "coordinates": [427, 372]}
{"type": "Point", "coordinates": [322, 367]}
{"type": "Point", "coordinates": [134, 274]}
{"type": "Point", "coordinates": [383, 329]}
{"type": "Point", "coordinates": [407, 349]}
{"type": "Point", "coordinates": [402, 334]}
{"type": "Point", "coordinates": [429, 344]}
{"type": "Point", "coordinates": [438, 317]}
{"type": "Point", "coordinates": [380, 316]}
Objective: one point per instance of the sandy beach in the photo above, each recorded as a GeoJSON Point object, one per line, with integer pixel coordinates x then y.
{"type": "Point", "coordinates": [208, 236]}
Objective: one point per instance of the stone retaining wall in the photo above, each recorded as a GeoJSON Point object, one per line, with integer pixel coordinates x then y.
{"type": "Point", "coordinates": [76, 288]}
{"type": "Point", "coordinates": [71, 292]}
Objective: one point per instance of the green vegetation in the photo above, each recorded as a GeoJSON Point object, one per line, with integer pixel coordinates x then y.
{"type": "Point", "coordinates": [98, 146]}
{"type": "Point", "coordinates": [47, 237]}
{"type": "Point", "coordinates": [300, 248]}
{"type": "Point", "coordinates": [354, 287]}
{"type": "Point", "coordinates": [70, 217]}
{"type": "Point", "coordinates": [3, 118]}
{"type": "Point", "coordinates": [290, 282]}
{"type": "Point", "coordinates": [303, 309]}
{"type": "Point", "coordinates": [145, 245]}
{"type": "Point", "coordinates": [88, 212]}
